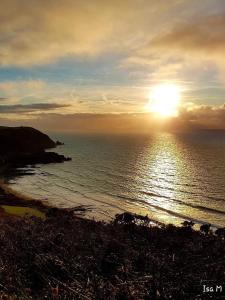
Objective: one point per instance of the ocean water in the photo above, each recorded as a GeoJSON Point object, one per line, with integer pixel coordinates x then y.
{"type": "Point", "coordinates": [170, 177]}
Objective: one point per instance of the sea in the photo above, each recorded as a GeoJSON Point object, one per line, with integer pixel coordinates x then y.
{"type": "Point", "coordinates": [171, 177]}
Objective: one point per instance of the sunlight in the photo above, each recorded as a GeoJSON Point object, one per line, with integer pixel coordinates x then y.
{"type": "Point", "coordinates": [164, 100]}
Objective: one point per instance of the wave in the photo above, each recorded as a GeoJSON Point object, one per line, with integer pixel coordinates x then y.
{"type": "Point", "coordinates": [170, 212]}
{"type": "Point", "coordinates": [204, 208]}
{"type": "Point", "coordinates": [105, 191]}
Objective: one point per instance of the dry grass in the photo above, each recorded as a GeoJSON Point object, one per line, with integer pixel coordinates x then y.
{"type": "Point", "coordinates": [66, 257]}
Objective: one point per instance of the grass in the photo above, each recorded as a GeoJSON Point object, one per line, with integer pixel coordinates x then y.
{"type": "Point", "coordinates": [23, 211]}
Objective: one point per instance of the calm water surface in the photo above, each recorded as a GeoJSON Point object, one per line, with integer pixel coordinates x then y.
{"type": "Point", "coordinates": [170, 177]}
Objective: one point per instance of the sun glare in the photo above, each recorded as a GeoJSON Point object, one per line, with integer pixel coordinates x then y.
{"type": "Point", "coordinates": [164, 100]}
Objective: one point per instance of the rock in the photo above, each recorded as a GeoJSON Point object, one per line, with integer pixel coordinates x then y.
{"type": "Point", "coordinates": [220, 232]}
{"type": "Point", "coordinates": [188, 224]}
{"type": "Point", "coordinates": [205, 228]}
{"type": "Point", "coordinates": [22, 159]}
{"type": "Point", "coordinates": [58, 143]}
{"type": "Point", "coordinates": [128, 218]}
{"type": "Point", "coordinates": [125, 217]}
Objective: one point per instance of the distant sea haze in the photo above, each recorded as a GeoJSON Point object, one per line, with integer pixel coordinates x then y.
{"type": "Point", "coordinates": [170, 177]}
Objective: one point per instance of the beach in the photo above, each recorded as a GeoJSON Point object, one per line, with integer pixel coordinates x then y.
{"type": "Point", "coordinates": [13, 204]}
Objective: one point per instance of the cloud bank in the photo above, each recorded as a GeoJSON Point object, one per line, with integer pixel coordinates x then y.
{"type": "Point", "coordinates": [190, 118]}
{"type": "Point", "coordinates": [28, 108]}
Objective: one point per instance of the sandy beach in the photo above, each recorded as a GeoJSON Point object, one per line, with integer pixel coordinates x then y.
{"type": "Point", "coordinates": [12, 203]}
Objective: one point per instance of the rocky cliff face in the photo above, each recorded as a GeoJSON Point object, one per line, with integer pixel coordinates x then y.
{"type": "Point", "coordinates": [26, 145]}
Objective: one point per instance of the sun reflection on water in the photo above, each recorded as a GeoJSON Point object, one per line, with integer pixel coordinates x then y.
{"type": "Point", "coordinates": [177, 181]}
{"type": "Point", "coordinates": [163, 164]}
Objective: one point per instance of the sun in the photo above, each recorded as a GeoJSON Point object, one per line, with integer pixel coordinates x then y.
{"type": "Point", "coordinates": [164, 100]}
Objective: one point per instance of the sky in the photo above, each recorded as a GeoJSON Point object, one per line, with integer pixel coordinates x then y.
{"type": "Point", "coordinates": [74, 65]}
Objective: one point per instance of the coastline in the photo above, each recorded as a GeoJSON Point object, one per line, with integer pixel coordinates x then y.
{"type": "Point", "coordinates": [22, 146]}
{"type": "Point", "coordinates": [102, 183]}
{"type": "Point", "coordinates": [57, 253]}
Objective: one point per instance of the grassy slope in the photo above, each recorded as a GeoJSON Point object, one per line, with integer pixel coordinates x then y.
{"type": "Point", "coordinates": [65, 257]}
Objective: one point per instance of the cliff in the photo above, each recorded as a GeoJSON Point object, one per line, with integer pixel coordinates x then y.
{"type": "Point", "coordinates": [25, 145]}
{"type": "Point", "coordinates": [23, 139]}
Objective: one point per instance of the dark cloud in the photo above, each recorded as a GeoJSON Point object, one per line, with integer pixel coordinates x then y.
{"type": "Point", "coordinates": [26, 108]}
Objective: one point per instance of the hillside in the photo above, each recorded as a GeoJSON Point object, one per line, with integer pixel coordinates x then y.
{"type": "Point", "coordinates": [25, 145]}
{"type": "Point", "coordinates": [23, 139]}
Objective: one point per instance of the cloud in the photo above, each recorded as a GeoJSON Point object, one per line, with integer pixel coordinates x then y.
{"type": "Point", "coordinates": [88, 122]}
{"type": "Point", "coordinates": [28, 108]}
{"type": "Point", "coordinates": [190, 48]}
{"type": "Point", "coordinates": [205, 35]}
{"type": "Point", "coordinates": [39, 32]}
{"type": "Point", "coordinates": [157, 41]}
{"type": "Point", "coordinates": [21, 87]}
{"type": "Point", "coordinates": [91, 98]}
{"type": "Point", "coordinates": [205, 116]}
{"type": "Point", "coordinates": [192, 45]}
{"type": "Point", "coordinates": [191, 118]}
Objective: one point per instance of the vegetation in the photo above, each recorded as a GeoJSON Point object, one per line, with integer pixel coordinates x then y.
{"type": "Point", "coordinates": [67, 257]}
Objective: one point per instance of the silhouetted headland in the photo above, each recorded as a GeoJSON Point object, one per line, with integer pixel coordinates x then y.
{"type": "Point", "coordinates": [22, 146]}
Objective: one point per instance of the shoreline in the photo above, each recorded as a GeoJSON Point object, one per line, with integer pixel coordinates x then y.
{"type": "Point", "coordinates": [8, 197]}
{"type": "Point", "coordinates": [32, 207]}
{"type": "Point", "coordinates": [13, 198]}
{"type": "Point", "coordinates": [11, 202]}
{"type": "Point", "coordinates": [88, 212]}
